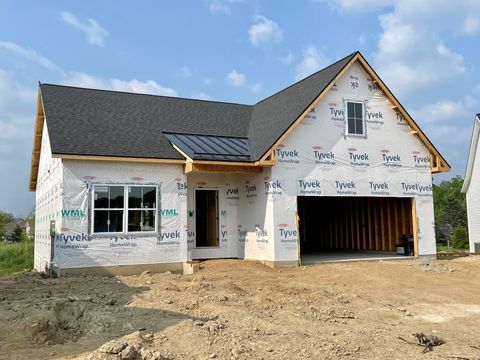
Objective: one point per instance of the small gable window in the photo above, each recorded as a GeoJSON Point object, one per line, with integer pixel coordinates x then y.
{"type": "Point", "coordinates": [355, 119]}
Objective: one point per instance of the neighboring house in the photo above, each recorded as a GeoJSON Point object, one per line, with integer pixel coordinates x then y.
{"type": "Point", "coordinates": [30, 225]}
{"type": "Point", "coordinates": [10, 227]}
{"type": "Point", "coordinates": [471, 187]}
{"type": "Point", "coordinates": [126, 182]}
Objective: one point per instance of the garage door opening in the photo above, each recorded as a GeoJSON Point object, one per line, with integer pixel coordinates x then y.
{"type": "Point", "coordinates": [353, 228]}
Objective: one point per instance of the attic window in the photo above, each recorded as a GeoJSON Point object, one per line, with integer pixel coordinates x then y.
{"type": "Point", "coordinates": [355, 119]}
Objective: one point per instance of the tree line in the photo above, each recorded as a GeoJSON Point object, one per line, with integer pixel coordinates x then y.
{"type": "Point", "coordinates": [450, 206]}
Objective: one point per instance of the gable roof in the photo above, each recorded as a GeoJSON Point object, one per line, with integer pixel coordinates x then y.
{"type": "Point", "coordinates": [111, 123]}
{"type": "Point", "coordinates": [117, 125]}
{"type": "Point", "coordinates": [474, 143]}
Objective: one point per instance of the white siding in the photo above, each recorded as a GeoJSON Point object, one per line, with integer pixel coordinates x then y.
{"type": "Point", "coordinates": [473, 202]}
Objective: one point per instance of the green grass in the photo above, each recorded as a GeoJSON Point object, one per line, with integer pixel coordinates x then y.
{"type": "Point", "coordinates": [445, 248]}
{"type": "Point", "coordinates": [15, 257]}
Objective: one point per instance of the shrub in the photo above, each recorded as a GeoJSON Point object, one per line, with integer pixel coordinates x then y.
{"type": "Point", "coordinates": [460, 237]}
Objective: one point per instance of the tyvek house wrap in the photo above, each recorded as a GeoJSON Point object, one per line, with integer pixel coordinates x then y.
{"type": "Point", "coordinates": [317, 159]}
{"type": "Point", "coordinates": [257, 211]}
{"type": "Point", "coordinates": [48, 201]}
{"type": "Point", "coordinates": [76, 245]}
{"type": "Point", "coordinates": [245, 216]}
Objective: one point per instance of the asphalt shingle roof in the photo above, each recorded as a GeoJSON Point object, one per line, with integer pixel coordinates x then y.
{"type": "Point", "coordinates": [110, 123]}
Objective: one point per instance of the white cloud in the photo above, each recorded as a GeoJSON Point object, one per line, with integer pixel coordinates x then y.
{"type": "Point", "coordinates": [207, 81]}
{"type": "Point", "coordinates": [357, 5]}
{"type": "Point", "coordinates": [312, 61]}
{"type": "Point", "coordinates": [413, 54]}
{"type": "Point", "coordinates": [446, 110]}
{"type": "Point", "coordinates": [471, 26]}
{"type": "Point", "coordinates": [256, 88]}
{"type": "Point", "coordinates": [222, 6]}
{"type": "Point", "coordinates": [144, 87]}
{"type": "Point", "coordinates": [445, 121]}
{"type": "Point", "coordinates": [201, 95]}
{"type": "Point", "coordinates": [264, 31]}
{"type": "Point", "coordinates": [30, 55]}
{"type": "Point", "coordinates": [236, 79]}
{"type": "Point", "coordinates": [17, 108]}
{"type": "Point", "coordinates": [449, 134]}
{"type": "Point", "coordinates": [91, 28]}
{"type": "Point", "coordinates": [287, 59]}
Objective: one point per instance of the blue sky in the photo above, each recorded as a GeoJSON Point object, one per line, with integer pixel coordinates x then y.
{"type": "Point", "coordinates": [426, 51]}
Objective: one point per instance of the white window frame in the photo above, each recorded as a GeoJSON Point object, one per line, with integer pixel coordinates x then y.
{"type": "Point", "coordinates": [125, 210]}
{"type": "Point", "coordinates": [364, 122]}
{"type": "Point", "coordinates": [93, 210]}
{"type": "Point", "coordinates": [155, 210]}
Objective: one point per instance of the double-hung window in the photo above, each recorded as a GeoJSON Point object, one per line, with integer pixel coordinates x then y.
{"type": "Point", "coordinates": [124, 209]}
{"type": "Point", "coordinates": [142, 208]}
{"type": "Point", "coordinates": [355, 118]}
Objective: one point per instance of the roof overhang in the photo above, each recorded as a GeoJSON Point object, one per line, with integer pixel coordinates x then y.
{"type": "Point", "coordinates": [217, 154]}
{"type": "Point", "coordinates": [37, 142]}
{"type": "Point", "coordinates": [211, 147]}
{"type": "Point", "coordinates": [472, 153]}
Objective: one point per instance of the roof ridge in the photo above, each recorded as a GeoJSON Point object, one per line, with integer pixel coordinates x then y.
{"type": "Point", "coordinates": [144, 94]}
{"type": "Point", "coordinates": [192, 99]}
{"type": "Point", "coordinates": [309, 76]}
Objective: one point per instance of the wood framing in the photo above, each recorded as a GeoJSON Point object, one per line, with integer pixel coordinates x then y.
{"type": "Point", "coordinates": [415, 226]}
{"type": "Point", "coordinates": [37, 142]}
{"type": "Point", "coordinates": [441, 164]}
{"type": "Point", "coordinates": [214, 168]}
{"type": "Point", "coordinates": [365, 223]}
{"type": "Point", "coordinates": [118, 158]}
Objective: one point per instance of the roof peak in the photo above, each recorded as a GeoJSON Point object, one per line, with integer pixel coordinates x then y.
{"type": "Point", "coordinates": [311, 75]}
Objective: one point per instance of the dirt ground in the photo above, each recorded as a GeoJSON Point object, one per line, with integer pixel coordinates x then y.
{"type": "Point", "coordinates": [234, 309]}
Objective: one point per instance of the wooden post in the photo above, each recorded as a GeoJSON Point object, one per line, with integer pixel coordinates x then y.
{"type": "Point", "coordinates": [389, 225]}
{"type": "Point", "coordinates": [369, 216]}
{"type": "Point", "coordinates": [415, 227]}
{"type": "Point", "coordinates": [382, 224]}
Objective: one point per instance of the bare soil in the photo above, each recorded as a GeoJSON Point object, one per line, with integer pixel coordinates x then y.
{"type": "Point", "coordinates": [234, 309]}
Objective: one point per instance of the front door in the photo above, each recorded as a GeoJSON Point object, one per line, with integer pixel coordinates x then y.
{"type": "Point", "coordinates": [206, 218]}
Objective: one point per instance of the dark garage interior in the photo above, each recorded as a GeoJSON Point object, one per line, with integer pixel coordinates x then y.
{"type": "Point", "coordinates": [353, 224]}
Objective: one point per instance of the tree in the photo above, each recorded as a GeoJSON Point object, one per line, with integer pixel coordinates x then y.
{"type": "Point", "coordinates": [450, 209]}
{"type": "Point", "coordinates": [4, 218]}
{"type": "Point", "coordinates": [460, 237]}
{"type": "Point", "coordinates": [17, 234]}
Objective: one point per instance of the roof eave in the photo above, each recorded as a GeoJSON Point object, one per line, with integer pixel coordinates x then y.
{"type": "Point", "coordinates": [37, 141]}
{"type": "Point", "coordinates": [471, 155]}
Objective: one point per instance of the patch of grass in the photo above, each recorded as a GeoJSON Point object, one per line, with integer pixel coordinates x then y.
{"type": "Point", "coordinates": [16, 257]}
{"type": "Point", "coordinates": [445, 248]}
